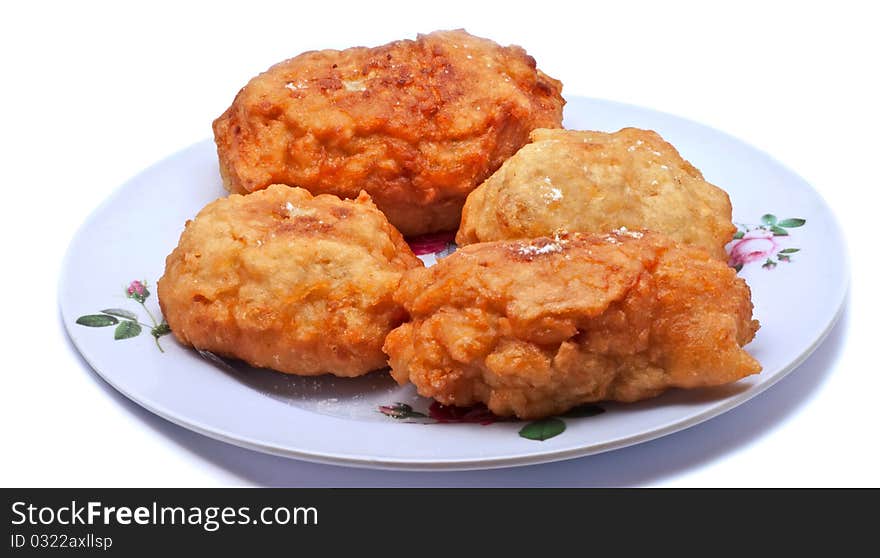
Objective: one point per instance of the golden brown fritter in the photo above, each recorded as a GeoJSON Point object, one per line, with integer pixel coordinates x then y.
{"type": "Point", "coordinates": [581, 181]}
{"type": "Point", "coordinates": [417, 124]}
{"type": "Point", "coordinates": [533, 328]}
{"type": "Point", "coordinates": [283, 280]}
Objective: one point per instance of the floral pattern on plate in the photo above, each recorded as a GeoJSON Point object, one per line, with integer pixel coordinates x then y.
{"type": "Point", "coordinates": [538, 430]}
{"type": "Point", "coordinates": [126, 321]}
{"type": "Point", "coordinates": [767, 242]}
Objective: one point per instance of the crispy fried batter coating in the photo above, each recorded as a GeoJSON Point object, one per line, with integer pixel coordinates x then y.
{"type": "Point", "coordinates": [417, 124]}
{"type": "Point", "coordinates": [583, 181]}
{"type": "Point", "coordinates": [533, 328]}
{"type": "Point", "coordinates": [283, 280]}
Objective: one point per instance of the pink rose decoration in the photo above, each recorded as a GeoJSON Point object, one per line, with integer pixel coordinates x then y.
{"type": "Point", "coordinates": [431, 243]}
{"type": "Point", "coordinates": [136, 287]}
{"type": "Point", "coordinates": [138, 291]}
{"type": "Point", "coordinates": [756, 244]}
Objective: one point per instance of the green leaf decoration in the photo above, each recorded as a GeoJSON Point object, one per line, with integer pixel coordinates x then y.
{"type": "Point", "coordinates": [738, 234]}
{"type": "Point", "coordinates": [588, 410]}
{"type": "Point", "coordinates": [400, 411]}
{"type": "Point", "coordinates": [789, 250]}
{"type": "Point", "coordinates": [544, 429]}
{"type": "Point", "coordinates": [778, 231]}
{"type": "Point", "coordinates": [121, 313]}
{"type": "Point", "coordinates": [160, 330]}
{"type": "Point", "coordinates": [768, 219]}
{"type": "Point", "coordinates": [738, 267]}
{"type": "Point", "coordinates": [126, 330]}
{"type": "Point", "coordinates": [791, 223]}
{"type": "Point", "coordinates": [97, 320]}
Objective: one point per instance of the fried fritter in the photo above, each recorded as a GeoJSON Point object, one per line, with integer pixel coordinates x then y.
{"type": "Point", "coordinates": [417, 124]}
{"type": "Point", "coordinates": [580, 181]}
{"type": "Point", "coordinates": [284, 280]}
{"type": "Point", "coordinates": [535, 327]}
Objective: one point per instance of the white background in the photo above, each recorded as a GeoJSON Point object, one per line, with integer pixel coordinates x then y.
{"type": "Point", "coordinates": [94, 92]}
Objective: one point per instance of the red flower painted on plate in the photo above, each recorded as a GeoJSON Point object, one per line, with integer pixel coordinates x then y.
{"type": "Point", "coordinates": [540, 430]}
{"type": "Point", "coordinates": [430, 243]}
{"type": "Point", "coordinates": [479, 414]}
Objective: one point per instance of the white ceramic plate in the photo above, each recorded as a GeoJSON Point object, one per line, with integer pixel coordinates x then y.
{"type": "Point", "coordinates": [797, 270]}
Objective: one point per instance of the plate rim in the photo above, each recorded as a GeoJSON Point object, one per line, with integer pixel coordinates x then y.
{"type": "Point", "coordinates": [488, 463]}
{"type": "Point", "coordinates": [494, 462]}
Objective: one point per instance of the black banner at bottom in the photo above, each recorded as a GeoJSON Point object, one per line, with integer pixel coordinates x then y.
{"type": "Point", "coordinates": [128, 522]}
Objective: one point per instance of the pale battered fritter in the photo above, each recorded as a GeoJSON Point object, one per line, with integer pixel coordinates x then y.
{"type": "Point", "coordinates": [283, 280]}
{"type": "Point", "coordinates": [581, 181]}
{"type": "Point", "coordinates": [417, 124]}
{"type": "Point", "coordinates": [533, 328]}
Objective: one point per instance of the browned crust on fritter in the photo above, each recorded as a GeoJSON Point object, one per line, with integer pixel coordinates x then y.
{"type": "Point", "coordinates": [284, 280]}
{"type": "Point", "coordinates": [417, 124]}
{"type": "Point", "coordinates": [533, 328]}
{"type": "Point", "coordinates": [595, 182]}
